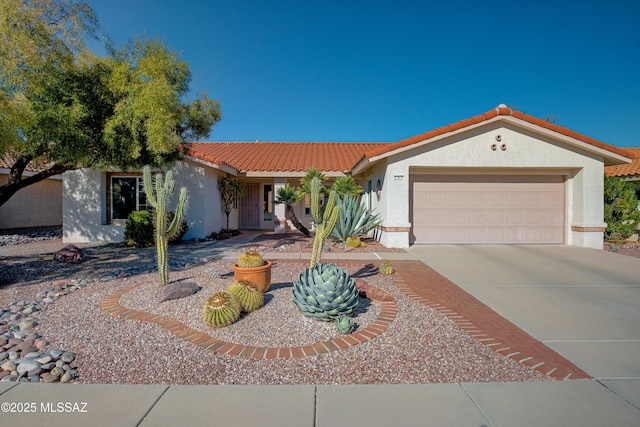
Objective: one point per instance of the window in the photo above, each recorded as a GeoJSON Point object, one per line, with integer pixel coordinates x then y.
{"type": "Point", "coordinates": [307, 203]}
{"type": "Point", "coordinates": [267, 202]}
{"type": "Point", "coordinates": [126, 194]}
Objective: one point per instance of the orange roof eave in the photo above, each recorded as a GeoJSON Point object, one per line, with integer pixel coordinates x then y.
{"type": "Point", "coordinates": [616, 155]}
{"type": "Point", "coordinates": [627, 170]}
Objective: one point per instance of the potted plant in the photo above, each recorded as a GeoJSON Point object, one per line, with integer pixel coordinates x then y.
{"type": "Point", "coordinates": [252, 267]}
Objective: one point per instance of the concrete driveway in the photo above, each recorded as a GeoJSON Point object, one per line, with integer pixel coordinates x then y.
{"type": "Point", "coordinates": [583, 303]}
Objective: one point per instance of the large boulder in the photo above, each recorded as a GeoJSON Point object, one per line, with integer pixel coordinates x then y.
{"type": "Point", "coordinates": [178, 290]}
{"type": "Point", "coordinates": [70, 254]}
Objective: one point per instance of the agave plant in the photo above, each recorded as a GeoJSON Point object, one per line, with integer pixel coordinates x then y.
{"type": "Point", "coordinates": [355, 218]}
{"type": "Point", "coordinates": [345, 325]}
{"type": "Point", "coordinates": [325, 292]}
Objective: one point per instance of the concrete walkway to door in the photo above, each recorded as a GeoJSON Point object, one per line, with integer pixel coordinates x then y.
{"type": "Point", "coordinates": [582, 303]}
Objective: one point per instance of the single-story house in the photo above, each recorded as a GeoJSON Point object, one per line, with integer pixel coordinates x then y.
{"type": "Point", "coordinates": [38, 205]}
{"type": "Point", "coordinates": [628, 171]}
{"type": "Point", "coordinates": [502, 177]}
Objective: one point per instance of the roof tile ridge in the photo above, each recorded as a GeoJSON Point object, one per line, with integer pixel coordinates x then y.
{"type": "Point", "coordinates": [563, 130]}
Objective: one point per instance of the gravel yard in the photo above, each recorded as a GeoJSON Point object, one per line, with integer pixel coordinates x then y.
{"type": "Point", "coordinates": [420, 346]}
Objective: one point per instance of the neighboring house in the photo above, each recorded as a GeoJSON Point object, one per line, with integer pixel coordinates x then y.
{"type": "Point", "coordinates": [501, 177]}
{"type": "Point", "coordinates": [37, 205]}
{"type": "Point", "coordinates": [628, 172]}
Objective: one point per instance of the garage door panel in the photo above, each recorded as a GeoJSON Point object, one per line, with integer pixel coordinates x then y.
{"type": "Point", "coordinates": [487, 209]}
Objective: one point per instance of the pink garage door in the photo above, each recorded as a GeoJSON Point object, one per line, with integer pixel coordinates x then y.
{"type": "Point", "coordinates": [487, 209]}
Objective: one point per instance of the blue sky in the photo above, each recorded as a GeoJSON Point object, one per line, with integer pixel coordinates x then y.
{"type": "Point", "coordinates": [387, 70]}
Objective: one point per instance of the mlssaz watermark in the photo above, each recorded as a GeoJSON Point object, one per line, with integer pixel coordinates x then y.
{"type": "Point", "coordinates": [44, 407]}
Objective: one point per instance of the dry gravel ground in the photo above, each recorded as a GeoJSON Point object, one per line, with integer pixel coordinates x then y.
{"type": "Point", "coordinates": [420, 346]}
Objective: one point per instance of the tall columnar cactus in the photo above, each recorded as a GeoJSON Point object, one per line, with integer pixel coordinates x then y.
{"type": "Point", "coordinates": [325, 222]}
{"type": "Point", "coordinates": [164, 230]}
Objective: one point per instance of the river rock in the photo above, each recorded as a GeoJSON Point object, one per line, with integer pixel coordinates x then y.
{"type": "Point", "coordinates": [68, 357]}
{"type": "Point", "coordinates": [27, 366]}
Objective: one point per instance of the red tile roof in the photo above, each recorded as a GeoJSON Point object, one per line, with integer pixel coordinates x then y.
{"type": "Point", "coordinates": [283, 156]}
{"type": "Point", "coordinates": [501, 110]}
{"type": "Point", "coordinates": [629, 169]}
{"type": "Point", "coordinates": [7, 161]}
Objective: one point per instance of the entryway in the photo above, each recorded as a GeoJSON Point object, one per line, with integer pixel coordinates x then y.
{"type": "Point", "coordinates": [249, 208]}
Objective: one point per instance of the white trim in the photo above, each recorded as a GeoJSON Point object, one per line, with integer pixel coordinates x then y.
{"type": "Point", "coordinates": [604, 153]}
{"type": "Point", "coordinates": [223, 168]}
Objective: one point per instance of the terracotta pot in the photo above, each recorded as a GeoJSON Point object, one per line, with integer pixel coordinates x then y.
{"type": "Point", "coordinates": [261, 276]}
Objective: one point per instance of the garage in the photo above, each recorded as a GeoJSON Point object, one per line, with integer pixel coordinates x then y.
{"type": "Point", "coordinates": [487, 209]}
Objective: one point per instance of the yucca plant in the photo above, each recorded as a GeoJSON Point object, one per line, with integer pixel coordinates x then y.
{"type": "Point", "coordinates": [355, 218]}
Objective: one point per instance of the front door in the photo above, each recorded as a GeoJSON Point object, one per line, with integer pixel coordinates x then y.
{"type": "Point", "coordinates": [250, 207]}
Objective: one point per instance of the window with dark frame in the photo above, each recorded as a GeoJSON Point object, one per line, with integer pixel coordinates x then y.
{"type": "Point", "coordinates": [125, 196]}
{"type": "Point", "coordinates": [267, 200]}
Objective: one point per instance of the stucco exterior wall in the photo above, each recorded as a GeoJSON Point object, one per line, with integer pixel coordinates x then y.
{"type": "Point", "coordinates": [84, 204]}
{"type": "Point", "coordinates": [525, 152]}
{"type": "Point", "coordinates": [374, 175]}
{"type": "Point", "coordinates": [84, 208]}
{"type": "Point", "coordinates": [38, 205]}
{"type": "Point", "coordinates": [203, 214]}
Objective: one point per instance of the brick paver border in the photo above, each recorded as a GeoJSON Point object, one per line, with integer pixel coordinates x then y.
{"type": "Point", "coordinates": [111, 305]}
{"type": "Point", "coordinates": [417, 281]}
{"type": "Point", "coordinates": [425, 285]}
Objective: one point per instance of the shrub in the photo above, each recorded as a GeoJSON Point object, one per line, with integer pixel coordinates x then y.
{"type": "Point", "coordinates": [620, 208]}
{"type": "Point", "coordinates": [138, 230]}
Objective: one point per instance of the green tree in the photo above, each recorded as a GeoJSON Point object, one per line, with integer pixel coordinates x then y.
{"type": "Point", "coordinates": [620, 208]}
{"type": "Point", "coordinates": [63, 107]}
{"type": "Point", "coordinates": [230, 191]}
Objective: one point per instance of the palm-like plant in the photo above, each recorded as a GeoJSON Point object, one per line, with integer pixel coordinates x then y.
{"type": "Point", "coordinates": [346, 185]}
{"type": "Point", "coordinates": [290, 196]}
{"type": "Point", "coordinates": [306, 180]}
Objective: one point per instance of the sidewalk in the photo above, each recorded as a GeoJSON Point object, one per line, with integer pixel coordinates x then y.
{"type": "Point", "coordinates": [549, 403]}
{"type": "Point", "coordinates": [560, 403]}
